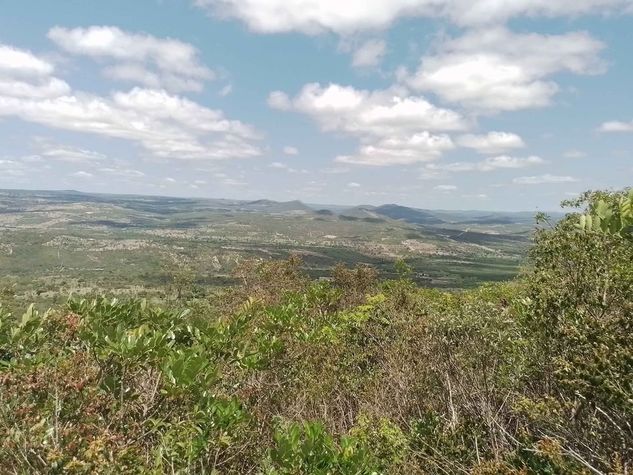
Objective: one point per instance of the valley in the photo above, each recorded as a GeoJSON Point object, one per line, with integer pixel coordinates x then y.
{"type": "Point", "coordinates": [56, 243]}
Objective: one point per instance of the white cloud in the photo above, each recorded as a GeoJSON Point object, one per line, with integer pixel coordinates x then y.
{"type": "Point", "coordinates": [394, 127]}
{"type": "Point", "coordinates": [22, 74]}
{"type": "Point", "coordinates": [543, 179]}
{"type": "Point", "coordinates": [505, 161]}
{"type": "Point", "coordinates": [139, 74]}
{"type": "Point", "coordinates": [353, 184]}
{"type": "Point", "coordinates": [122, 172]}
{"type": "Point", "coordinates": [279, 100]}
{"type": "Point", "coordinates": [421, 147]}
{"type": "Point", "coordinates": [351, 16]}
{"type": "Point", "coordinates": [82, 174]}
{"type": "Point", "coordinates": [226, 90]}
{"type": "Point", "coordinates": [283, 166]}
{"type": "Point", "coordinates": [492, 142]}
{"type": "Point", "coordinates": [479, 196]}
{"type": "Point", "coordinates": [17, 62]}
{"type": "Point", "coordinates": [379, 113]}
{"type": "Point", "coordinates": [71, 154]}
{"type": "Point", "coordinates": [168, 126]}
{"type": "Point", "coordinates": [616, 126]}
{"type": "Point", "coordinates": [495, 69]}
{"type": "Point", "coordinates": [36, 89]}
{"type": "Point", "coordinates": [488, 164]}
{"type": "Point", "coordinates": [370, 53]}
{"type": "Point", "coordinates": [139, 58]}
{"type": "Point", "coordinates": [289, 150]}
{"type": "Point", "coordinates": [445, 188]}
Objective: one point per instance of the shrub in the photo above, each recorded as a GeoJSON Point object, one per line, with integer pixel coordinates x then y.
{"type": "Point", "coordinates": [281, 375]}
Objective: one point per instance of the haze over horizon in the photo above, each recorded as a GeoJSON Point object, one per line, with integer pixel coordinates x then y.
{"type": "Point", "coordinates": [445, 104]}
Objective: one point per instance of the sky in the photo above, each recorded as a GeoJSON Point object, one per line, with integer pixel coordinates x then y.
{"type": "Point", "coordinates": [452, 104]}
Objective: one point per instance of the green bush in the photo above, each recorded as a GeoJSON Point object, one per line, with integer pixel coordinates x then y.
{"type": "Point", "coordinates": [308, 449]}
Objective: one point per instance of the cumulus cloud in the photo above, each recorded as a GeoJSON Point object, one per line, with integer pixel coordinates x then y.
{"type": "Point", "coordinates": [394, 127]}
{"type": "Point", "coordinates": [353, 184]}
{"type": "Point", "coordinates": [421, 147]}
{"type": "Point", "coordinates": [166, 125]}
{"type": "Point", "coordinates": [19, 62]}
{"type": "Point", "coordinates": [289, 150]}
{"type": "Point", "coordinates": [381, 113]}
{"type": "Point", "coordinates": [352, 16]}
{"type": "Point", "coordinates": [82, 174]}
{"type": "Point", "coordinates": [616, 126]}
{"type": "Point", "coordinates": [505, 161]}
{"type": "Point", "coordinates": [22, 74]}
{"type": "Point", "coordinates": [279, 100]}
{"type": "Point", "coordinates": [138, 58]}
{"type": "Point", "coordinates": [67, 153]}
{"type": "Point", "coordinates": [283, 166]}
{"type": "Point", "coordinates": [489, 164]}
{"type": "Point", "coordinates": [543, 179]}
{"type": "Point", "coordinates": [368, 54]}
{"type": "Point", "coordinates": [226, 90]}
{"type": "Point", "coordinates": [492, 142]}
{"type": "Point", "coordinates": [499, 70]}
{"type": "Point", "coordinates": [122, 172]}
{"type": "Point", "coordinates": [35, 88]}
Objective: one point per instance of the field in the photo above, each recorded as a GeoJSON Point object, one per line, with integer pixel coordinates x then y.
{"type": "Point", "coordinates": [53, 244]}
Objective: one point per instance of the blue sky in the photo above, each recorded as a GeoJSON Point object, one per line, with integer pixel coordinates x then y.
{"type": "Point", "coordinates": [458, 104]}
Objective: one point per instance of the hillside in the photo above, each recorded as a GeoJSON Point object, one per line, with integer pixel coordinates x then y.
{"type": "Point", "coordinates": [60, 242]}
{"type": "Point", "coordinates": [281, 374]}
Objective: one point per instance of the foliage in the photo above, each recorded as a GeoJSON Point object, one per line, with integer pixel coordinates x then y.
{"type": "Point", "coordinates": [608, 213]}
{"type": "Point", "coordinates": [309, 449]}
{"type": "Point", "coordinates": [283, 375]}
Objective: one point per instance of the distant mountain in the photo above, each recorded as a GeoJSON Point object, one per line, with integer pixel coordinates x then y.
{"type": "Point", "coordinates": [391, 211]}
{"type": "Point", "coordinates": [488, 218]}
{"type": "Point", "coordinates": [269, 206]}
{"type": "Point", "coordinates": [169, 205]}
{"type": "Point", "coordinates": [410, 215]}
{"type": "Point", "coordinates": [360, 212]}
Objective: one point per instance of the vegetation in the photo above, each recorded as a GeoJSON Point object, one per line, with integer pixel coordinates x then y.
{"type": "Point", "coordinates": [283, 374]}
{"type": "Point", "coordinates": [53, 244]}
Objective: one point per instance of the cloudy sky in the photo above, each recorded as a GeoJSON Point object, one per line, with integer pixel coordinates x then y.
{"type": "Point", "coordinates": [464, 104]}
